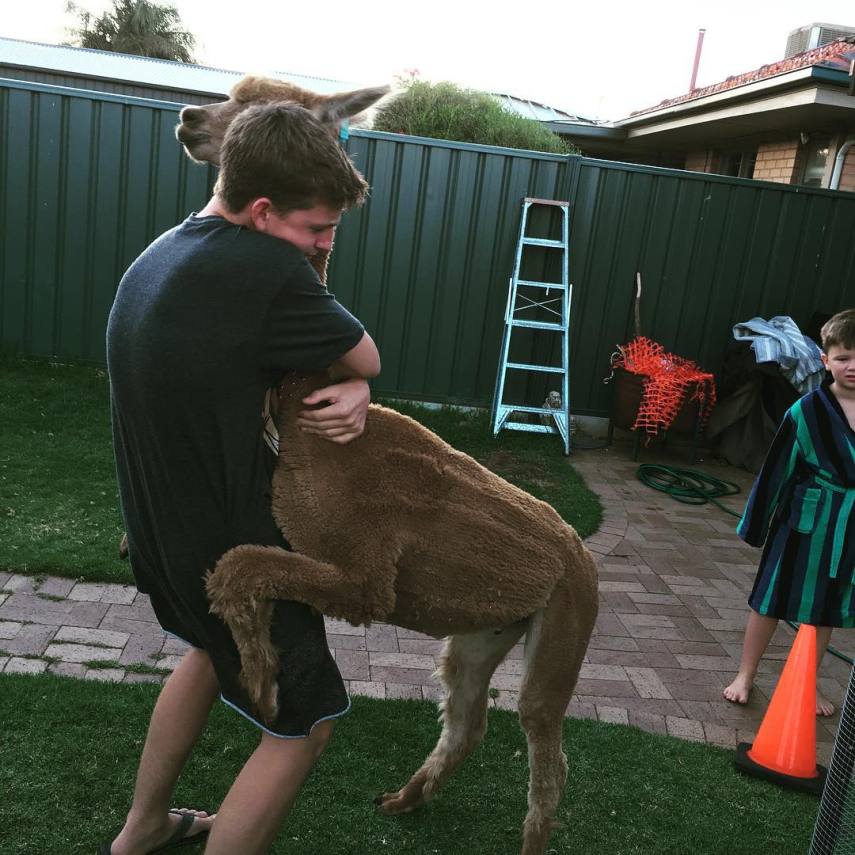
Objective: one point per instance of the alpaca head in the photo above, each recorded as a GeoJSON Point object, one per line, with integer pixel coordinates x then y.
{"type": "Point", "coordinates": [202, 129]}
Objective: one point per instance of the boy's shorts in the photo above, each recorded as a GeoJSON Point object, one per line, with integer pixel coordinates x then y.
{"type": "Point", "coordinates": [311, 689]}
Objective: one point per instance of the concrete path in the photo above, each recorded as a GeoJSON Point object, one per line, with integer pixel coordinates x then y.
{"type": "Point", "coordinates": [673, 584]}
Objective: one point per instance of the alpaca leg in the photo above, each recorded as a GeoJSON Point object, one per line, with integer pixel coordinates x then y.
{"type": "Point", "coordinates": [555, 647]}
{"type": "Point", "coordinates": [361, 591]}
{"type": "Point", "coordinates": [466, 666]}
{"type": "Point", "coordinates": [247, 579]}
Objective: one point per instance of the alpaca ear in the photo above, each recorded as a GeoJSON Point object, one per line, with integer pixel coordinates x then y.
{"type": "Point", "coordinates": [332, 109]}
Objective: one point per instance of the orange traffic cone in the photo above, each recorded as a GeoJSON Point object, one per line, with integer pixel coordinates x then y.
{"type": "Point", "coordinates": [784, 749]}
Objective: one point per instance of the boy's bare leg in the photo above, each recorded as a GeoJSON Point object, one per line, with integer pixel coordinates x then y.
{"type": "Point", "coordinates": [256, 805]}
{"type": "Point", "coordinates": [823, 636]}
{"type": "Point", "coordinates": [758, 633]}
{"type": "Point", "coordinates": [178, 719]}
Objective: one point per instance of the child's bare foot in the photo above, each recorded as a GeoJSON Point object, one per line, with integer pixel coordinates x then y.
{"type": "Point", "coordinates": [824, 706]}
{"type": "Point", "coordinates": [739, 690]}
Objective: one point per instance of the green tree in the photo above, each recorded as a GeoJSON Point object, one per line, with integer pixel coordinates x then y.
{"type": "Point", "coordinates": [447, 112]}
{"type": "Point", "coordinates": [139, 27]}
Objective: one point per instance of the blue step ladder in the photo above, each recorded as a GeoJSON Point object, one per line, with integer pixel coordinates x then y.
{"type": "Point", "coordinates": [526, 298]}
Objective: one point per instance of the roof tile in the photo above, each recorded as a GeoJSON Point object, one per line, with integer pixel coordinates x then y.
{"type": "Point", "coordinates": [836, 55]}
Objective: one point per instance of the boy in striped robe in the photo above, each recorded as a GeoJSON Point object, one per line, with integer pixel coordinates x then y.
{"type": "Point", "coordinates": [802, 507]}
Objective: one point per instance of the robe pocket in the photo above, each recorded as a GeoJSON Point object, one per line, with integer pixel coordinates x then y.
{"type": "Point", "coordinates": [804, 509]}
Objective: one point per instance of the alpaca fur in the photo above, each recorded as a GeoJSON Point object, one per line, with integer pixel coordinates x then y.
{"type": "Point", "coordinates": [398, 526]}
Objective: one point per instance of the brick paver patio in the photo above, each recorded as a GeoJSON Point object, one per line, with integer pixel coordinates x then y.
{"type": "Point", "coordinates": [673, 585]}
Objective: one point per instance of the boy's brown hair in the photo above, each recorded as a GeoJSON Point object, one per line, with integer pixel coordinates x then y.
{"type": "Point", "coordinates": [839, 331]}
{"type": "Point", "coordinates": [282, 152]}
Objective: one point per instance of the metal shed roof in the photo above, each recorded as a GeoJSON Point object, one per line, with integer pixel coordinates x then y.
{"type": "Point", "coordinates": [536, 110]}
{"type": "Point", "coordinates": [142, 70]}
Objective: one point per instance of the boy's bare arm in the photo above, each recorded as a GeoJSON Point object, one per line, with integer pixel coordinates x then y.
{"type": "Point", "coordinates": [361, 361]}
{"type": "Point", "coordinates": [343, 419]}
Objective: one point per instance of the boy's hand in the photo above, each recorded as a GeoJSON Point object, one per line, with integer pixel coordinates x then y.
{"type": "Point", "coordinates": [343, 419]}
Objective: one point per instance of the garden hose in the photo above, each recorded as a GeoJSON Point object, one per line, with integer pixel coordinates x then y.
{"type": "Point", "coordinates": [687, 485]}
{"type": "Point", "coordinates": [697, 488]}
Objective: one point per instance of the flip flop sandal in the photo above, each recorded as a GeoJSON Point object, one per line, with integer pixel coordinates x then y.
{"type": "Point", "coordinates": [178, 837]}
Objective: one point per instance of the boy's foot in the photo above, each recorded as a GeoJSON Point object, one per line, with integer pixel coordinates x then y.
{"type": "Point", "coordinates": [739, 690]}
{"type": "Point", "coordinates": [824, 707]}
{"type": "Point", "coordinates": [181, 826]}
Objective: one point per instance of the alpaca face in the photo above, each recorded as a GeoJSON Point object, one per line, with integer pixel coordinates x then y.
{"type": "Point", "coordinates": [202, 129]}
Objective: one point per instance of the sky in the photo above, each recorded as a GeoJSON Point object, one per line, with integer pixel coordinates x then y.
{"type": "Point", "coordinates": [598, 60]}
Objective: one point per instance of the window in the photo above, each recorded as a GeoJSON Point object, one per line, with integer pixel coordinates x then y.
{"type": "Point", "coordinates": [739, 164]}
{"type": "Point", "coordinates": [814, 157]}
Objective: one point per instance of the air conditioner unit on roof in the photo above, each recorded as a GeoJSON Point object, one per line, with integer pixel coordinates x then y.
{"type": "Point", "coordinates": [815, 35]}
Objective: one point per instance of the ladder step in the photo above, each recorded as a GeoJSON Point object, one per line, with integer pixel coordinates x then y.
{"type": "Point", "coordinates": [531, 428]}
{"type": "Point", "coordinates": [528, 282]}
{"type": "Point", "coordinates": [547, 368]}
{"type": "Point", "coordinates": [557, 203]}
{"type": "Point", "coordinates": [549, 411]}
{"type": "Point", "coordinates": [543, 242]}
{"type": "Point", "coordinates": [538, 325]}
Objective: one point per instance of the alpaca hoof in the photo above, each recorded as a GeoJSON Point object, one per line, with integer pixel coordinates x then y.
{"type": "Point", "coordinates": [396, 803]}
{"type": "Point", "coordinates": [266, 705]}
{"type": "Point", "coordinates": [267, 716]}
{"type": "Point", "coordinates": [536, 837]}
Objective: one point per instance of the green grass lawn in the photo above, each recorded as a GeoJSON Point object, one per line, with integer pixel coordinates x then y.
{"type": "Point", "coordinates": [68, 751]}
{"type": "Point", "coordinates": [58, 504]}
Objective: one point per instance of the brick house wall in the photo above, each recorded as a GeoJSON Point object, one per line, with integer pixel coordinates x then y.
{"type": "Point", "coordinates": [777, 162]}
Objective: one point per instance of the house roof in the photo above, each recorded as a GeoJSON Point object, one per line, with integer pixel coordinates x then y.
{"type": "Point", "coordinates": [143, 70]}
{"type": "Point", "coordinates": [836, 56]}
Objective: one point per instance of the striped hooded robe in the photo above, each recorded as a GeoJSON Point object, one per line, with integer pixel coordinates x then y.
{"type": "Point", "coordinates": [801, 507]}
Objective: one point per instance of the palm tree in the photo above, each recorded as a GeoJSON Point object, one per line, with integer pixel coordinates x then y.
{"type": "Point", "coordinates": [139, 27]}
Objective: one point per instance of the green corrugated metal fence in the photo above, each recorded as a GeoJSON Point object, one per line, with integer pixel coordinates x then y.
{"type": "Point", "coordinates": [425, 265]}
{"type": "Point", "coordinates": [88, 180]}
{"type": "Point", "coordinates": [711, 250]}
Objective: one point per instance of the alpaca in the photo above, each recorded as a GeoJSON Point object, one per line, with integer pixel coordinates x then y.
{"type": "Point", "coordinates": [398, 526]}
{"type": "Point", "coordinates": [202, 128]}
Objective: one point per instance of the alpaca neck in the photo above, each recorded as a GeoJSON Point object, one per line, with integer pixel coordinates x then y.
{"type": "Point", "coordinates": [295, 475]}
{"type": "Point", "coordinates": [291, 391]}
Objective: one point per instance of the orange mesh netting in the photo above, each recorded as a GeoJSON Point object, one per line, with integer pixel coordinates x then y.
{"type": "Point", "coordinates": [669, 381]}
